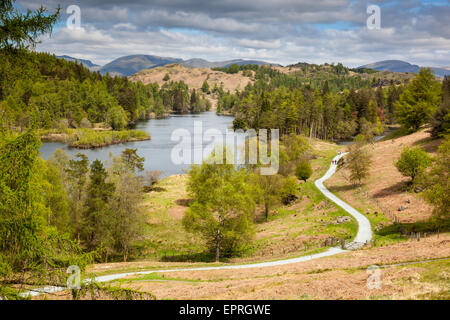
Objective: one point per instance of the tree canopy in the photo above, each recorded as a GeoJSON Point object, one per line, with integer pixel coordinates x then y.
{"type": "Point", "coordinates": [419, 100]}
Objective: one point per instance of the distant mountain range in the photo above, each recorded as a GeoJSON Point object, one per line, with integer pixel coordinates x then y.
{"type": "Point", "coordinates": [86, 63]}
{"type": "Point", "coordinates": [129, 65]}
{"type": "Point", "coordinates": [402, 66]}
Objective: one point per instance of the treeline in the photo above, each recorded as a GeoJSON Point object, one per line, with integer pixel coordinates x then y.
{"type": "Point", "coordinates": [325, 114]}
{"type": "Point", "coordinates": [338, 77]}
{"type": "Point", "coordinates": [39, 90]}
{"type": "Point", "coordinates": [235, 68]}
{"type": "Point", "coordinates": [312, 112]}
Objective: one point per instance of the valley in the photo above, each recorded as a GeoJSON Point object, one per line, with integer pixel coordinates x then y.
{"type": "Point", "coordinates": [411, 269]}
{"type": "Point", "coordinates": [224, 151]}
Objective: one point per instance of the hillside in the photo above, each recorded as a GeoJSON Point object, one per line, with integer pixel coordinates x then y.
{"type": "Point", "coordinates": [386, 189]}
{"type": "Point", "coordinates": [193, 77]}
{"type": "Point", "coordinates": [329, 71]}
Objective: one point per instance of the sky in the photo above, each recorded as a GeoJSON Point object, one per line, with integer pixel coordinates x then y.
{"type": "Point", "coordinates": [276, 31]}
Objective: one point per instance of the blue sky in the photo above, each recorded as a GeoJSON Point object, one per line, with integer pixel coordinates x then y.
{"type": "Point", "coordinates": [279, 31]}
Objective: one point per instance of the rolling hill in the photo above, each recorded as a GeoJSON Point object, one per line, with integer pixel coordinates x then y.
{"type": "Point", "coordinates": [193, 77]}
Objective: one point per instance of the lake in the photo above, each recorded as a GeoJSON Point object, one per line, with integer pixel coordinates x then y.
{"type": "Point", "coordinates": [157, 151]}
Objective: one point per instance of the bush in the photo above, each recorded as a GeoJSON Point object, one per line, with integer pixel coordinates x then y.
{"type": "Point", "coordinates": [289, 191]}
{"type": "Point", "coordinates": [303, 170]}
{"type": "Point", "coordinates": [412, 162]}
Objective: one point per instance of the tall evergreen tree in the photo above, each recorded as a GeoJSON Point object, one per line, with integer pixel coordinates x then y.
{"type": "Point", "coordinates": [419, 100]}
{"type": "Point", "coordinates": [77, 173]}
{"type": "Point", "coordinates": [441, 119]}
{"type": "Point", "coordinates": [97, 215]}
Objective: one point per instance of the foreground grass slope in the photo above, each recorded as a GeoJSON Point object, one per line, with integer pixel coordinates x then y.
{"type": "Point", "coordinates": [338, 277]}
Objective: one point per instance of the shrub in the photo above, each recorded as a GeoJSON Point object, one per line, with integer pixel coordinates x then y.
{"type": "Point", "coordinates": [412, 162]}
{"type": "Point", "coordinates": [303, 170]}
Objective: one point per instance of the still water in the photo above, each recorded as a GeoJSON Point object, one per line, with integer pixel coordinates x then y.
{"type": "Point", "coordinates": [157, 151]}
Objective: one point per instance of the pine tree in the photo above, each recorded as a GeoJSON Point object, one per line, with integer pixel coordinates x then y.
{"type": "Point", "coordinates": [441, 119]}
{"type": "Point", "coordinates": [205, 87]}
{"type": "Point", "coordinates": [96, 220]}
{"type": "Point", "coordinates": [418, 101]}
{"type": "Point", "coordinates": [77, 176]}
{"type": "Point", "coordinates": [20, 31]}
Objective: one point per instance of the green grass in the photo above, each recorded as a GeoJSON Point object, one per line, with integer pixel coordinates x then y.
{"type": "Point", "coordinates": [346, 230]}
{"type": "Point", "coordinates": [391, 233]}
{"type": "Point", "coordinates": [323, 160]}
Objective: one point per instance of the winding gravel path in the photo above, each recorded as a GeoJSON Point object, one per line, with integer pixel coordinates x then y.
{"type": "Point", "coordinates": [364, 234]}
{"type": "Point", "coordinates": [364, 230]}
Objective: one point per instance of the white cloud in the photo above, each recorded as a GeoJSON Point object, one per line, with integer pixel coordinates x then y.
{"type": "Point", "coordinates": [283, 31]}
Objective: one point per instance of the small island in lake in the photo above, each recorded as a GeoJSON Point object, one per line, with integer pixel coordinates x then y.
{"type": "Point", "coordinates": [84, 138]}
